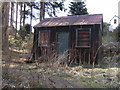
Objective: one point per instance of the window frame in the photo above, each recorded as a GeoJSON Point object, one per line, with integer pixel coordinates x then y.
{"type": "Point", "coordinates": [81, 46]}
{"type": "Point", "coordinates": [39, 37]}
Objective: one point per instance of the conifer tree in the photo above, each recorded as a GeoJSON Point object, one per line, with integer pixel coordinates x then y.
{"type": "Point", "coordinates": [77, 8]}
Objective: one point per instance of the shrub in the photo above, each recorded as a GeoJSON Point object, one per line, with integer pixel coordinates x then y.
{"type": "Point", "coordinates": [24, 31]}
{"type": "Point", "coordinates": [118, 33]}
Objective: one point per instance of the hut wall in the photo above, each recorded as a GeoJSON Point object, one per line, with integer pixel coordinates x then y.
{"type": "Point", "coordinates": [35, 45]}
{"type": "Point", "coordinates": [77, 55]}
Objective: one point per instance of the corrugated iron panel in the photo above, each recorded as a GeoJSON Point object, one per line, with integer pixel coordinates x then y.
{"type": "Point", "coordinates": [71, 20]}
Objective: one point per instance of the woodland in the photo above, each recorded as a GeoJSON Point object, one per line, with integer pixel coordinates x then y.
{"type": "Point", "coordinates": [16, 43]}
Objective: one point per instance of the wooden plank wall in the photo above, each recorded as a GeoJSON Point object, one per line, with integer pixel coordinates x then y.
{"type": "Point", "coordinates": [76, 55]}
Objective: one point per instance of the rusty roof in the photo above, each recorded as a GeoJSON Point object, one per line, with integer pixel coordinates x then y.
{"type": "Point", "coordinates": [71, 20]}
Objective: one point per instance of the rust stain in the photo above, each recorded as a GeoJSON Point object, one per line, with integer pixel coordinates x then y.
{"type": "Point", "coordinates": [71, 20]}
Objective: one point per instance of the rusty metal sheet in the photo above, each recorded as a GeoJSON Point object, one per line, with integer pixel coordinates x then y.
{"type": "Point", "coordinates": [71, 20]}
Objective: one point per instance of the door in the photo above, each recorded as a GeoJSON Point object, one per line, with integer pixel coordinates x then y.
{"type": "Point", "coordinates": [62, 39]}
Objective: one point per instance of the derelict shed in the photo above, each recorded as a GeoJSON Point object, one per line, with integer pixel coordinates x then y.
{"type": "Point", "coordinates": [80, 36]}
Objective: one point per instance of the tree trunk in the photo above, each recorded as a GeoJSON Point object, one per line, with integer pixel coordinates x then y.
{"type": "Point", "coordinates": [42, 15]}
{"type": "Point", "coordinates": [21, 15]}
{"type": "Point", "coordinates": [31, 18]}
{"type": "Point", "coordinates": [42, 10]}
{"type": "Point", "coordinates": [24, 14]}
{"type": "Point", "coordinates": [4, 52]}
{"type": "Point", "coordinates": [12, 15]}
{"type": "Point", "coordinates": [5, 19]}
{"type": "Point", "coordinates": [16, 15]}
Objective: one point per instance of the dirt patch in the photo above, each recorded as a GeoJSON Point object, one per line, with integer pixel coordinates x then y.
{"type": "Point", "coordinates": [26, 79]}
{"type": "Point", "coordinates": [47, 76]}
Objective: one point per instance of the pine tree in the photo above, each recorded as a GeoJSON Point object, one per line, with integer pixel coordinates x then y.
{"type": "Point", "coordinates": [78, 8]}
{"type": "Point", "coordinates": [51, 8]}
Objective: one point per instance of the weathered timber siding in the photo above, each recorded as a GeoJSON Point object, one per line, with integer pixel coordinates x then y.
{"type": "Point", "coordinates": [78, 55]}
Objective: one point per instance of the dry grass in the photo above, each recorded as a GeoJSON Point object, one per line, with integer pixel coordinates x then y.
{"type": "Point", "coordinates": [55, 66]}
{"type": "Point", "coordinates": [91, 77]}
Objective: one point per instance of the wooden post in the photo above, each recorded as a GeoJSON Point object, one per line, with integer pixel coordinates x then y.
{"type": "Point", "coordinates": [74, 57]}
{"type": "Point", "coordinates": [89, 57]}
{"type": "Point", "coordinates": [84, 57]}
{"type": "Point", "coordinates": [80, 57]}
{"type": "Point", "coordinates": [93, 57]}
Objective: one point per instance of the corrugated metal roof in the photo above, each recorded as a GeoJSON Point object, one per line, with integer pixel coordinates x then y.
{"type": "Point", "coordinates": [71, 20]}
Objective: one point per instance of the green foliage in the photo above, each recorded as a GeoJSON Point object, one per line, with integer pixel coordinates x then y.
{"type": "Point", "coordinates": [21, 45]}
{"type": "Point", "coordinates": [105, 27]}
{"type": "Point", "coordinates": [78, 8]}
{"type": "Point", "coordinates": [118, 33]}
{"type": "Point", "coordinates": [24, 31]}
{"type": "Point", "coordinates": [106, 36]}
{"type": "Point", "coordinates": [52, 7]}
{"type": "Point", "coordinates": [109, 36]}
{"type": "Point", "coordinates": [27, 28]}
{"type": "Point", "coordinates": [15, 42]}
{"type": "Point", "coordinates": [28, 12]}
{"type": "Point", "coordinates": [118, 58]}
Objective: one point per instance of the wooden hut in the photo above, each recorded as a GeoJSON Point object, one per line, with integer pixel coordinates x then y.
{"type": "Point", "coordinates": [80, 36]}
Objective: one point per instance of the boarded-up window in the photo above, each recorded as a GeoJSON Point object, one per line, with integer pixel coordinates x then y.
{"type": "Point", "coordinates": [43, 38]}
{"type": "Point", "coordinates": [83, 38]}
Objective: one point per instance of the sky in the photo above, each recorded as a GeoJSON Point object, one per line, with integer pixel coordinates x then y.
{"type": "Point", "coordinates": [108, 8]}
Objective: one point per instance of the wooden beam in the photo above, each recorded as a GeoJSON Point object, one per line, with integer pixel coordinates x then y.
{"type": "Point", "coordinates": [89, 54]}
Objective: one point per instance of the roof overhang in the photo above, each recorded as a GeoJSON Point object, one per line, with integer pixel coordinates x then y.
{"type": "Point", "coordinates": [71, 20]}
